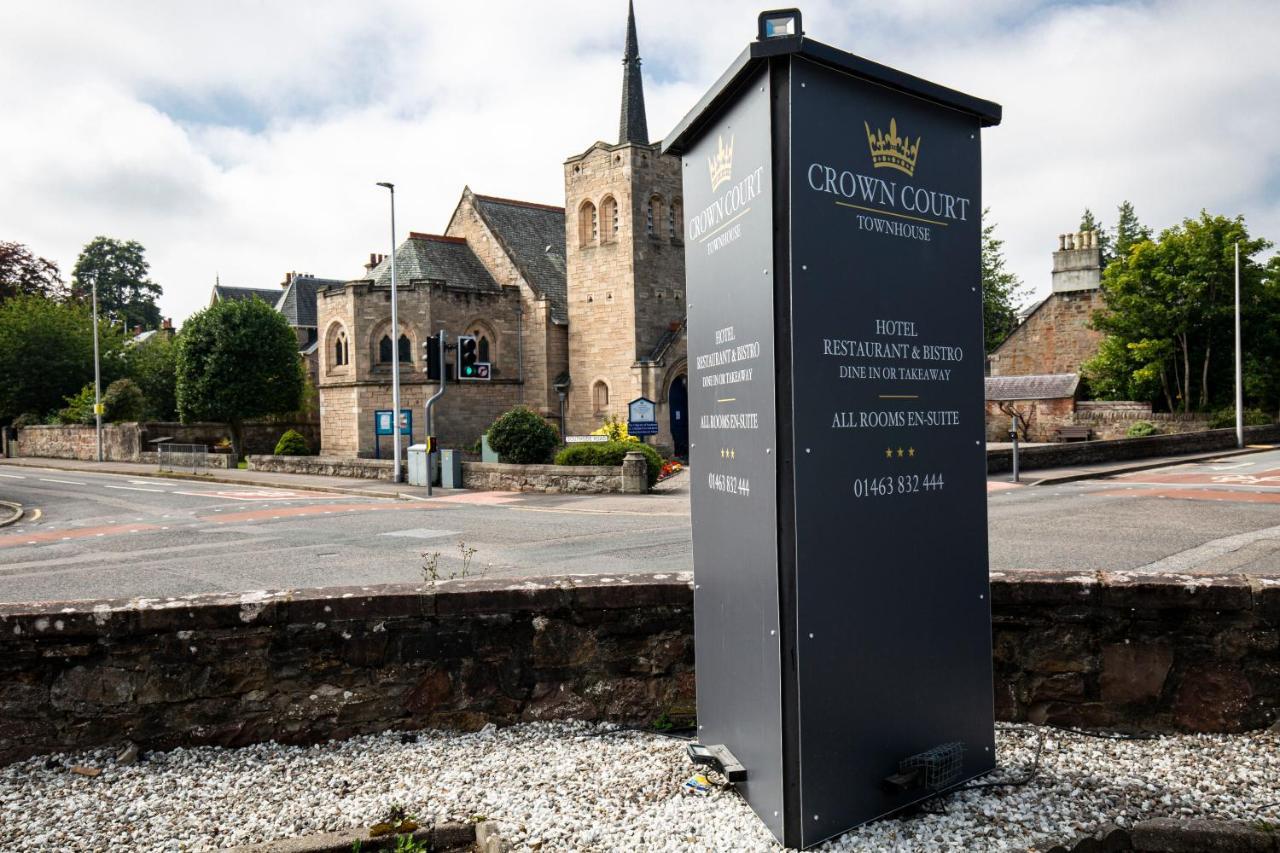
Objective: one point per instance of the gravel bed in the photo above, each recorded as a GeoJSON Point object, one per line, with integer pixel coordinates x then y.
{"type": "Point", "coordinates": [577, 786]}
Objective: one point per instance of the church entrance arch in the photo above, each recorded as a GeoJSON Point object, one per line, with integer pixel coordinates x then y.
{"type": "Point", "coordinates": [678, 409]}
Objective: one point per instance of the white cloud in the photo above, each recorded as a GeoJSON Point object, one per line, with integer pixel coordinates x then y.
{"type": "Point", "coordinates": [244, 139]}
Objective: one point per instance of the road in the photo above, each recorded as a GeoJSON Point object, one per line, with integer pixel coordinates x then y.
{"type": "Point", "coordinates": [90, 535]}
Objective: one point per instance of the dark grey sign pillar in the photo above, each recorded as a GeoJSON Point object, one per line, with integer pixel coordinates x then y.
{"type": "Point", "coordinates": [832, 242]}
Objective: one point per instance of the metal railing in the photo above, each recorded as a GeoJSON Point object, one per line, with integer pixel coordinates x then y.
{"type": "Point", "coordinates": [184, 457]}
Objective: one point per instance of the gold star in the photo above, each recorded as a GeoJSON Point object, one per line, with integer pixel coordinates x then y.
{"type": "Point", "coordinates": [899, 452]}
{"type": "Point", "coordinates": [911, 451]}
{"type": "Point", "coordinates": [888, 453]}
{"type": "Point", "coordinates": [733, 454]}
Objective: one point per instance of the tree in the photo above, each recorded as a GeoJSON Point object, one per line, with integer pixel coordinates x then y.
{"type": "Point", "coordinates": [119, 269]}
{"type": "Point", "coordinates": [1088, 222]}
{"type": "Point", "coordinates": [1170, 308]}
{"type": "Point", "coordinates": [152, 365]}
{"type": "Point", "coordinates": [1129, 231]}
{"type": "Point", "coordinates": [1001, 289]}
{"type": "Point", "coordinates": [46, 354]}
{"type": "Point", "coordinates": [237, 361]}
{"type": "Point", "coordinates": [24, 274]}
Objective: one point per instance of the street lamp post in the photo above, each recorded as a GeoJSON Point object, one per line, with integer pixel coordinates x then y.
{"type": "Point", "coordinates": [395, 343]}
{"type": "Point", "coordinates": [97, 374]}
{"type": "Point", "coordinates": [1239, 382]}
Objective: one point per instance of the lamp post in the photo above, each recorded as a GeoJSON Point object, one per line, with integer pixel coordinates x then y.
{"type": "Point", "coordinates": [1239, 383]}
{"type": "Point", "coordinates": [97, 374]}
{"type": "Point", "coordinates": [395, 343]}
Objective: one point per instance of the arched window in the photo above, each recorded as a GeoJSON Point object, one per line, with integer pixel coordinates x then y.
{"type": "Point", "coordinates": [675, 220]}
{"type": "Point", "coordinates": [486, 341]}
{"type": "Point", "coordinates": [340, 347]}
{"type": "Point", "coordinates": [406, 350]}
{"type": "Point", "coordinates": [588, 224]}
{"type": "Point", "coordinates": [654, 218]}
{"type": "Point", "coordinates": [483, 348]}
{"type": "Point", "coordinates": [600, 397]}
{"type": "Point", "coordinates": [609, 216]}
{"type": "Point", "coordinates": [384, 350]}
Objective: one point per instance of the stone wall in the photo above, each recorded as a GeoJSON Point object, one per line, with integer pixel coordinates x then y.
{"type": "Point", "coordinates": [1133, 651]}
{"type": "Point", "coordinates": [551, 479]}
{"type": "Point", "coordinates": [306, 666]}
{"type": "Point", "coordinates": [1046, 417]}
{"type": "Point", "coordinates": [1153, 652]}
{"type": "Point", "coordinates": [131, 442]}
{"type": "Point", "coordinates": [324, 466]}
{"type": "Point", "coordinates": [1090, 452]}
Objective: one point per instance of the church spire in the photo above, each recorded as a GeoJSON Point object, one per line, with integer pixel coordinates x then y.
{"type": "Point", "coordinates": [632, 126]}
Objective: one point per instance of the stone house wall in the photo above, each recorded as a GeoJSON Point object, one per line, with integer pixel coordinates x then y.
{"type": "Point", "coordinates": [1150, 652]}
{"type": "Point", "coordinates": [550, 479]}
{"type": "Point", "coordinates": [545, 341]}
{"type": "Point", "coordinates": [350, 394]}
{"type": "Point", "coordinates": [1056, 338]}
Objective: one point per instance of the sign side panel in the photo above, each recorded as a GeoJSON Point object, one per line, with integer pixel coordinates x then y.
{"type": "Point", "coordinates": [893, 620]}
{"type": "Point", "coordinates": [729, 269]}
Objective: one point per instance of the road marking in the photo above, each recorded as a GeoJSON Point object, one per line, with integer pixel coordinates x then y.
{"type": "Point", "coordinates": [13, 476]}
{"type": "Point", "coordinates": [421, 533]}
{"type": "Point", "coordinates": [296, 511]}
{"type": "Point", "coordinates": [133, 489]}
{"type": "Point", "coordinates": [67, 482]}
{"type": "Point", "coordinates": [1231, 495]}
{"type": "Point", "coordinates": [30, 537]}
{"type": "Point", "coordinates": [1193, 558]}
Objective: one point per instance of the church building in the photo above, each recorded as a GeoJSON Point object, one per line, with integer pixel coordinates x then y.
{"type": "Point", "coordinates": [579, 309]}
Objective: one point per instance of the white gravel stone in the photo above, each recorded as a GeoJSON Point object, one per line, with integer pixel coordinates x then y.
{"type": "Point", "coordinates": [576, 786]}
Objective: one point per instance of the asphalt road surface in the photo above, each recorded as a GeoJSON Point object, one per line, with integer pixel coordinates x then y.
{"type": "Point", "coordinates": [96, 535]}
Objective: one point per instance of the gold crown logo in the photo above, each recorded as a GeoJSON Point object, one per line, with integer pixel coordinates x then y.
{"type": "Point", "coordinates": [890, 151]}
{"type": "Point", "coordinates": [721, 165]}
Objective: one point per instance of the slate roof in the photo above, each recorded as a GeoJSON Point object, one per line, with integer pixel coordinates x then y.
{"type": "Point", "coordinates": [669, 337]}
{"type": "Point", "coordinates": [1045, 386]}
{"type": "Point", "coordinates": [632, 126]}
{"type": "Point", "coordinates": [533, 237]}
{"type": "Point", "coordinates": [234, 294]}
{"type": "Point", "coordinates": [298, 301]}
{"type": "Point", "coordinates": [431, 257]}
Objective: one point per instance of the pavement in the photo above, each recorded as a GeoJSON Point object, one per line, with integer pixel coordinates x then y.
{"type": "Point", "coordinates": [115, 529]}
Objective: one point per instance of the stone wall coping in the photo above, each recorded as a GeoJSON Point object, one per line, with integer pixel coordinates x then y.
{"type": "Point", "coordinates": [557, 470]}
{"type": "Point", "coordinates": [121, 616]}
{"type": "Point", "coordinates": [323, 460]}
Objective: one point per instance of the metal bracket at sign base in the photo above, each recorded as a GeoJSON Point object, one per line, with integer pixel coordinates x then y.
{"type": "Point", "coordinates": [719, 757]}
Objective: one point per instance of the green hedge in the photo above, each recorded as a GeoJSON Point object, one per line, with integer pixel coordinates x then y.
{"type": "Point", "coordinates": [610, 453]}
{"type": "Point", "coordinates": [523, 437]}
{"type": "Point", "coordinates": [1224, 418]}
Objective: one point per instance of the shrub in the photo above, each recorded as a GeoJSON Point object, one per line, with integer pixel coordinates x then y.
{"type": "Point", "coordinates": [615, 429]}
{"type": "Point", "coordinates": [27, 419]}
{"type": "Point", "coordinates": [1224, 418]}
{"type": "Point", "coordinates": [292, 444]}
{"type": "Point", "coordinates": [1138, 429]}
{"type": "Point", "coordinates": [523, 437]}
{"type": "Point", "coordinates": [123, 401]}
{"type": "Point", "coordinates": [610, 453]}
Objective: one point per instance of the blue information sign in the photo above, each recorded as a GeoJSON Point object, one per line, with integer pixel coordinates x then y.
{"type": "Point", "coordinates": [382, 422]}
{"type": "Point", "coordinates": [642, 427]}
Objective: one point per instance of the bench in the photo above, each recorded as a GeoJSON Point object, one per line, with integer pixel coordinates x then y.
{"type": "Point", "coordinates": [1075, 433]}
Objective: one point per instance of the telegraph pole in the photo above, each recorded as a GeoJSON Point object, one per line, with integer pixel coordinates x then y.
{"type": "Point", "coordinates": [1239, 383]}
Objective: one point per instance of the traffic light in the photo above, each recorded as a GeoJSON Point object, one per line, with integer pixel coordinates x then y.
{"type": "Point", "coordinates": [468, 357]}
{"type": "Point", "coordinates": [431, 357]}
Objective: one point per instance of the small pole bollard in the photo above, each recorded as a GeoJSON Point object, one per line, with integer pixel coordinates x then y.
{"type": "Point", "coordinates": [1013, 434]}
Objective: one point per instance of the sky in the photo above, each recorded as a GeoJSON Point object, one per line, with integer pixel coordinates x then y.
{"type": "Point", "coordinates": [241, 140]}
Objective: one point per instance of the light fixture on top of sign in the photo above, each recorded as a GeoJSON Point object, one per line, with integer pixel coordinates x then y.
{"type": "Point", "coordinates": [780, 23]}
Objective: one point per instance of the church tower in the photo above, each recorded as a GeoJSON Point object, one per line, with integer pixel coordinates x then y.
{"type": "Point", "coordinates": [624, 255]}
